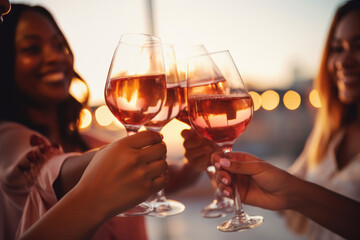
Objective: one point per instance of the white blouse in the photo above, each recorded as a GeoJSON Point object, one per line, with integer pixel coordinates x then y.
{"type": "Point", "coordinates": [345, 181]}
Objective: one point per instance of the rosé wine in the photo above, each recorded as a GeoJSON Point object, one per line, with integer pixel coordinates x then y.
{"type": "Point", "coordinates": [220, 118]}
{"type": "Point", "coordinates": [135, 100]}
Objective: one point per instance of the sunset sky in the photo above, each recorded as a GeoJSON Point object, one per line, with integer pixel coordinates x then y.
{"type": "Point", "coordinates": [267, 39]}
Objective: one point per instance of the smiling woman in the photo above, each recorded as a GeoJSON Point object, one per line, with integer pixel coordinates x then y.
{"type": "Point", "coordinates": [44, 64]}
{"type": "Point", "coordinates": [43, 155]}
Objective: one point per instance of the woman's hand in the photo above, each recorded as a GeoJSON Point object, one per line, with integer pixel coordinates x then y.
{"type": "Point", "coordinates": [126, 172]}
{"type": "Point", "coordinates": [198, 149]}
{"type": "Point", "coordinates": [259, 183]}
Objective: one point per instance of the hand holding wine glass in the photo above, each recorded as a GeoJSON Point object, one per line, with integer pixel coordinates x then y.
{"type": "Point", "coordinates": [135, 88]}
{"type": "Point", "coordinates": [220, 108]}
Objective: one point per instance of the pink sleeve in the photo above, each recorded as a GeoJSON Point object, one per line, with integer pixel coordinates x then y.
{"type": "Point", "coordinates": [28, 168]}
{"type": "Point", "coordinates": [42, 195]}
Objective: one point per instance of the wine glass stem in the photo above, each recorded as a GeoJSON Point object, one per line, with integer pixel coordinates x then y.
{"type": "Point", "coordinates": [238, 211]}
{"type": "Point", "coordinates": [160, 195]}
{"type": "Point", "coordinates": [131, 130]}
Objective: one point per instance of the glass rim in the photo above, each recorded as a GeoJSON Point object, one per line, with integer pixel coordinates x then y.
{"type": "Point", "coordinates": [209, 54]}
{"type": "Point", "coordinates": [143, 39]}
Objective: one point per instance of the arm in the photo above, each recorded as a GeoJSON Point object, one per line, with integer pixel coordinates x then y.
{"type": "Point", "coordinates": [118, 177]}
{"type": "Point", "coordinates": [71, 172]}
{"type": "Point", "coordinates": [264, 185]}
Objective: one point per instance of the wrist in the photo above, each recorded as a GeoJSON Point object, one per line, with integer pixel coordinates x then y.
{"type": "Point", "coordinates": [298, 194]}
{"type": "Point", "coordinates": [86, 201]}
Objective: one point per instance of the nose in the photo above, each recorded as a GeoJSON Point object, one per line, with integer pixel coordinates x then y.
{"type": "Point", "coordinates": [53, 55]}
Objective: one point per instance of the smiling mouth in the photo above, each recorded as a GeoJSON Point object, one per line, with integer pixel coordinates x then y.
{"type": "Point", "coordinates": [54, 77]}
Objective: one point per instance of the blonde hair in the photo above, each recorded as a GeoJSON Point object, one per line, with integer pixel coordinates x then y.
{"type": "Point", "coordinates": [333, 114]}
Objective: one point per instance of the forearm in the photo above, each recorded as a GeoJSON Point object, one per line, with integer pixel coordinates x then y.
{"type": "Point", "coordinates": [71, 218]}
{"type": "Point", "coordinates": [71, 172]}
{"type": "Point", "coordinates": [329, 209]}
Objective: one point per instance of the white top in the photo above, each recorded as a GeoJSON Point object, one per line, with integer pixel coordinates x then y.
{"type": "Point", "coordinates": [345, 182]}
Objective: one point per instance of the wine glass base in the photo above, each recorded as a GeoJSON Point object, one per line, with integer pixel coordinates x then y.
{"type": "Point", "coordinates": [218, 208]}
{"type": "Point", "coordinates": [233, 225]}
{"type": "Point", "coordinates": [165, 209]}
{"type": "Point", "coordinates": [138, 210]}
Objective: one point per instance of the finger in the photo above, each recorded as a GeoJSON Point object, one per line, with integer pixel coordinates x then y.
{"type": "Point", "coordinates": [187, 133]}
{"type": "Point", "coordinates": [223, 177]}
{"type": "Point", "coordinates": [156, 169]}
{"type": "Point", "coordinates": [143, 139]}
{"type": "Point", "coordinates": [158, 183]}
{"type": "Point", "coordinates": [198, 153]}
{"type": "Point", "coordinates": [240, 163]}
{"type": "Point", "coordinates": [153, 152]}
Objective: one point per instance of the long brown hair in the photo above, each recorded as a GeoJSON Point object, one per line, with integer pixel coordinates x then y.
{"type": "Point", "coordinates": [333, 114]}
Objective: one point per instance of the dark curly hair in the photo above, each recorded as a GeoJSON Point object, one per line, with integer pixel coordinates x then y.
{"type": "Point", "coordinates": [13, 104]}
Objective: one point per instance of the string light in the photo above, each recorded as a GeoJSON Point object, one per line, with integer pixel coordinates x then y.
{"type": "Point", "coordinates": [270, 100]}
{"type": "Point", "coordinates": [256, 99]}
{"type": "Point", "coordinates": [314, 98]}
{"type": "Point", "coordinates": [292, 100]}
{"type": "Point", "coordinates": [103, 116]}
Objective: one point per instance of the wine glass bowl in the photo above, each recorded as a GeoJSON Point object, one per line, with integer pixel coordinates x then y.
{"type": "Point", "coordinates": [135, 88]}
{"type": "Point", "coordinates": [220, 108]}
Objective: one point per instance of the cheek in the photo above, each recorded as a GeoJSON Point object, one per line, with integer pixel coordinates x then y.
{"type": "Point", "coordinates": [25, 65]}
{"type": "Point", "coordinates": [331, 65]}
{"type": "Point", "coordinates": [25, 68]}
{"type": "Point", "coordinates": [69, 61]}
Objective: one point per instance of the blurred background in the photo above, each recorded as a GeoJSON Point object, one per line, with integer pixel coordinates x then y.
{"type": "Point", "coordinates": [276, 46]}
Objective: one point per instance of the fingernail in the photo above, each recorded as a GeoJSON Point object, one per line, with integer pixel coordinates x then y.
{"type": "Point", "coordinates": [217, 165]}
{"type": "Point", "coordinates": [224, 162]}
{"type": "Point", "coordinates": [225, 181]}
{"type": "Point", "coordinates": [226, 193]}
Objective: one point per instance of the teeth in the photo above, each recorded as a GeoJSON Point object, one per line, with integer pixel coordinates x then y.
{"type": "Point", "coordinates": [54, 77]}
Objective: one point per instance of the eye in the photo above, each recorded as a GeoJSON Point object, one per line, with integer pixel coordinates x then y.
{"type": "Point", "coordinates": [336, 49]}
{"type": "Point", "coordinates": [60, 46]}
{"type": "Point", "coordinates": [31, 49]}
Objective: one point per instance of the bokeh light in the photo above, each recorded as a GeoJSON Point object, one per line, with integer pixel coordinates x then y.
{"type": "Point", "coordinates": [270, 100]}
{"type": "Point", "coordinates": [314, 98]}
{"type": "Point", "coordinates": [292, 100]}
{"type": "Point", "coordinates": [256, 99]}
{"type": "Point", "coordinates": [79, 90]}
{"type": "Point", "coordinates": [85, 118]}
{"type": "Point", "coordinates": [103, 116]}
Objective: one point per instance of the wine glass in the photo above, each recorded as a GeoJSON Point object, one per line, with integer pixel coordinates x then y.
{"type": "Point", "coordinates": [220, 108]}
{"type": "Point", "coordinates": [221, 205]}
{"type": "Point", "coordinates": [186, 53]}
{"type": "Point", "coordinates": [135, 88]}
{"type": "Point", "coordinates": [162, 206]}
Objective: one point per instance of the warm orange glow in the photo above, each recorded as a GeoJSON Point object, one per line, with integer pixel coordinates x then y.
{"type": "Point", "coordinates": [270, 100]}
{"type": "Point", "coordinates": [256, 99]}
{"type": "Point", "coordinates": [314, 98]}
{"type": "Point", "coordinates": [79, 90]}
{"type": "Point", "coordinates": [292, 100]}
{"type": "Point", "coordinates": [85, 118]}
{"type": "Point", "coordinates": [103, 116]}
{"type": "Point", "coordinates": [173, 139]}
